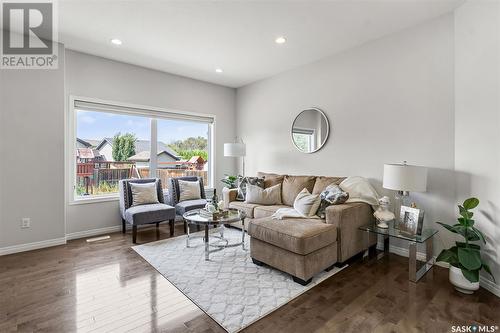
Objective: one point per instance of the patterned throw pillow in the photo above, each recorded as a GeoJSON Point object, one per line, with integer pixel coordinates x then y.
{"type": "Point", "coordinates": [332, 195]}
{"type": "Point", "coordinates": [242, 185]}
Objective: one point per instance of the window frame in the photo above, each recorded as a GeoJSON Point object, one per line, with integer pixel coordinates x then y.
{"type": "Point", "coordinates": [153, 114]}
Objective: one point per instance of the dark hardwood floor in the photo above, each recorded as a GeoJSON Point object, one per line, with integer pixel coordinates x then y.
{"type": "Point", "coordinates": [106, 287]}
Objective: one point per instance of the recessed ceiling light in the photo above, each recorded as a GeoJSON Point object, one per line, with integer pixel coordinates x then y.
{"type": "Point", "coordinates": [280, 40]}
{"type": "Point", "coordinates": [116, 41]}
{"type": "Point", "coordinates": [218, 70]}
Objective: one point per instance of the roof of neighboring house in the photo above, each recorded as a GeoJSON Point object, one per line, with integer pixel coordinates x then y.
{"type": "Point", "coordinates": [196, 159]}
{"type": "Point", "coordinates": [92, 142]}
{"type": "Point", "coordinates": [143, 145]}
{"type": "Point", "coordinates": [83, 142]}
{"type": "Point", "coordinates": [144, 156]}
{"type": "Point", "coordinates": [86, 153]}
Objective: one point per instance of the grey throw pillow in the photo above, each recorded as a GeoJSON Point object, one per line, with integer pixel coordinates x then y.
{"type": "Point", "coordinates": [143, 193]}
{"type": "Point", "coordinates": [268, 196]}
{"type": "Point", "coordinates": [242, 185]}
{"type": "Point", "coordinates": [332, 195]}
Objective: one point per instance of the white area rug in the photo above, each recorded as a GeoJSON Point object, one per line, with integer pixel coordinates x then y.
{"type": "Point", "coordinates": [230, 288]}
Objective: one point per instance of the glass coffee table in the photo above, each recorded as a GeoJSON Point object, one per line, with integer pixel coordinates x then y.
{"type": "Point", "coordinates": [416, 268]}
{"type": "Point", "coordinates": [193, 217]}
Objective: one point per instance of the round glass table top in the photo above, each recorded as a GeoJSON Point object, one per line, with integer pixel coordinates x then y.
{"type": "Point", "coordinates": [193, 216]}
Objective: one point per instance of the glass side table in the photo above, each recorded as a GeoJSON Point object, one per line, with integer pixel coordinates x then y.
{"type": "Point", "coordinates": [416, 268]}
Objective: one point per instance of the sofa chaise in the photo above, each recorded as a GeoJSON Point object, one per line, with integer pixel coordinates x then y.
{"type": "Point", "coordinates": [302, 247]}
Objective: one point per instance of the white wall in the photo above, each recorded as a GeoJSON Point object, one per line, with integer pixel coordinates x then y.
{"type": "Point", "coordinates": [477, 119]}
{"type": "Point", "coordinates": [96, 77]}
{"type": "Point", "coordinates": [387, 101]}
{"type": "Point", "coordinates": [32, 161]}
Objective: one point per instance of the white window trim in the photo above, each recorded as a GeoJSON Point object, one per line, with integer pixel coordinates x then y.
{"type": "Point", "coordinates": [154, 113]}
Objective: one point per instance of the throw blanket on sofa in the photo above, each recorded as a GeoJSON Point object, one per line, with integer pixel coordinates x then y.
{"type": "Point", "coordinates": [284, 213]}
{"type": "Point", "coordinates": [360, 190]}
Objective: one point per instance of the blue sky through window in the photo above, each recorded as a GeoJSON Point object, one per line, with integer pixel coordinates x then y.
{"type": "Point", "coordinates": [99, 125]}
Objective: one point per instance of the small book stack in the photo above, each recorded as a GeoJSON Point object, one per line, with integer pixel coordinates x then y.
{"type": "Point", "coordinates": [213, 216]}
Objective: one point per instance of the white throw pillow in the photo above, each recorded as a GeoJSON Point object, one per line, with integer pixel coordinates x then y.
{"type": "Point", "coordinates": [306, 203]}
{"type": "Point", "coordinates": [260, 196]}
{"type": "Point", "coordinates": [189, 190]}
{"type": "Point", "coordinates": [143, 193]}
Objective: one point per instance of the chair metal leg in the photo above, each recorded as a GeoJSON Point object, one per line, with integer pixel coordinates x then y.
{"type": "Point", "coordinates": [172, 227]}
{"type": "Point", "coordinates": [134, 234]}
{"type": "Point", "coordinates": [124, 228]}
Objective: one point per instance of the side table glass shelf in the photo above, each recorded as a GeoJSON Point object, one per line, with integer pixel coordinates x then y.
{"type": "Point", "coordinates": [416, 268]}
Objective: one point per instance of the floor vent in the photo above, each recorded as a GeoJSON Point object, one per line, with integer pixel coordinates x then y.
{"type": "Point", "coordinates": [97, 239]}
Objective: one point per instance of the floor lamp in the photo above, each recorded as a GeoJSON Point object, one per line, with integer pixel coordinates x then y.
{"type": "Point", "coordinates": [236, 149]}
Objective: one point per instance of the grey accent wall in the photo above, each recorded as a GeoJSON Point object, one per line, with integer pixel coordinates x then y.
{"type": "Point", "coordinates": [32, 154]}
{"type": "Point", "coordinates": [477, 118]}
{"type": "Point", "coordinates": [95, 77]}
{"type": "Point", "coordinates": [387, 101]}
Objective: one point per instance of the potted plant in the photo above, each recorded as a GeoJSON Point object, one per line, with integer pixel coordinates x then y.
{"type": "Point", "coordinates": [229, 181]}
{"type": "Point", "coordinates": [465, 257]}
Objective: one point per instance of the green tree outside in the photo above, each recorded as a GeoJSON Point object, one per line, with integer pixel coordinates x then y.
{"type": "Point", "coordinates": [123, 146]}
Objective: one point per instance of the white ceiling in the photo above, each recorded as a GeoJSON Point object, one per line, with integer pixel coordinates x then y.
{"type": "Point", "coordinates": [193, 38]}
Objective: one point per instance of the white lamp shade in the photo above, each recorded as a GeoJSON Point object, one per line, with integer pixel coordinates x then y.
{"type": "Point", "coordinates": [402, 177]}
{"type": "Point", "coordinates": [235, 149]}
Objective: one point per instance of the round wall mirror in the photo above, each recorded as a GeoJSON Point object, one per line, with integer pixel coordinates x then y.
{"type": "Point", "coordinates": [310, 130]}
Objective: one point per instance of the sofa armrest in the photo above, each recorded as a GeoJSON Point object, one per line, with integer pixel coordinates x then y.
{"type": "Point", "coordinates": [229, 195]}
{"type": "Point", "coordinates": [348, 218]}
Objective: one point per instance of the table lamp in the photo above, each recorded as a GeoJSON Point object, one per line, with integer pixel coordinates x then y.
{"type": "Point", "coordinates": [236, 149]}
{"type": "Point", "coordinates": [404, 179]}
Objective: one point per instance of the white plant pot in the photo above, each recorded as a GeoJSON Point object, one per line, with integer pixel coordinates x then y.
{"type": "Point", "coordinates": [460, 282]}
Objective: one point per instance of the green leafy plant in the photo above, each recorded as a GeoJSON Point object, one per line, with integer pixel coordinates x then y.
{"type": "Point", "coordinates": [466, 255]}
{"type": "Point", "coordinates": [229, 181]}
{"type": "Point", "coordinates": [123, 146]}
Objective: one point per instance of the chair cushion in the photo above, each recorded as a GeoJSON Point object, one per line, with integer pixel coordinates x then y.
{"type": "Point", "coordinates": [187, 205]}
{"type": "Point", "coordinates": [322, 182]}
{"type": "Point", "coordinates": [189, 190]}
{"type": "Point", "coordinates": [301, 236]}
{"type": "Point", "coordinates": [153, 213]}
{"type": "Point", "coordinates": [265, 211]}
{"type": "Point", "coordinates": [243, 206]}
{"type": "Point", "coordinates": [292, 185]}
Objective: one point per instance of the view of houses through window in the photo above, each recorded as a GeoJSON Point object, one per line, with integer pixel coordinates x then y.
{"type": "Point", "coordinates": [114, 146]}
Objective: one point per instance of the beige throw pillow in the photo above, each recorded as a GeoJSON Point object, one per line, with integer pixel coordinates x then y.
{"type": "Point", "coordinates": [189, 190]}
{"type": "Point", "coordinates": [306, 203]}
{"type": "Point", "coordinates": [143, 193]}
{"type": "Point", "coordinates": [269, 196]}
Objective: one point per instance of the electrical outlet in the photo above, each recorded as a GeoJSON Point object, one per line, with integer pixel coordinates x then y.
{"type": "Point", "coordinates": [25, 222]}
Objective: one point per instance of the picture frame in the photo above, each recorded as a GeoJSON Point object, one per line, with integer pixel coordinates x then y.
{"type": "Point", "coordinates": [410, 220]}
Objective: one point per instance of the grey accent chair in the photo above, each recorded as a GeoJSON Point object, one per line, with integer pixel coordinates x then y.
{"type": "Point", "coordinates": [185, 206]}
{"type": "Point", "coordinates": [144, 214]}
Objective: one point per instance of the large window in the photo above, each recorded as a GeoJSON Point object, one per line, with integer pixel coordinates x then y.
{"type": "Point", "coordinates": [114, 142]}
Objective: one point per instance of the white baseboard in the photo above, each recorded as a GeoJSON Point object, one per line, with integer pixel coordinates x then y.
{"type": "Point", "coordinates": [93, 232]}
{"type": "Point", "coordinates": [483, 282]}
{"type": "Point", "coordinates": [32, 246]}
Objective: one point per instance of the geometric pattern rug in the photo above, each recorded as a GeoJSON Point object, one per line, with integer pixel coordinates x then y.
{"type": "Point", "coordinates": [229, 287]}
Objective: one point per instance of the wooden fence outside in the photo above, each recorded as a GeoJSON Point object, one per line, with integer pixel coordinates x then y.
{"type": "Point", "coordinates": [166, 174]}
